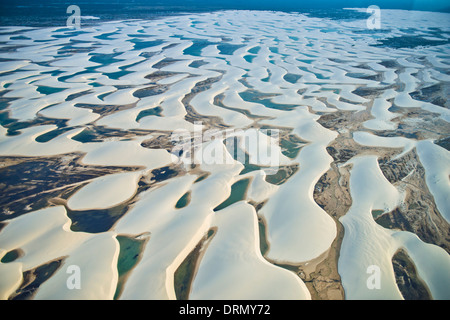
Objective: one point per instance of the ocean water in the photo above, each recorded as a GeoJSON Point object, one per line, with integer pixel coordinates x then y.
{"type": "Point", "coordinates": [53, 13]}
{"type": "Point", "coordinates": [49, 13]}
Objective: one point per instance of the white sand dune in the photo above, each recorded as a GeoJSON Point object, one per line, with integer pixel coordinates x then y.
{"type": "Point", "coordinates": [66, 110]}
{"type": "Point", "coordinates": [293, 203]}
{"type": "Point", "coordinates": [382, 116]}
{"type": "Point", "coordinates": [105, 192]}
{"type": "Point", "coordinates": [434, 274]}
{"type": "Point", "coordinates": [233, 268]}
{"type": "Point", "coordinates": [124, 153]}
{"type": "Point", "coordinates": [436, 161]}
{"type": "Point", "coordinates": [26, 145]}
{"type": "Point", "coordinates": [46, 236]}
{"type": "Point", "coordinates": [173, 232]}
{"type": "Point", "coordinates": [12, 277]}
{"type": "Point", "coordinates": [259, 189]}
{"type": "Point", "coordinates": [369, 139]}
{"type": "Point", "coordinates": [367, 244]}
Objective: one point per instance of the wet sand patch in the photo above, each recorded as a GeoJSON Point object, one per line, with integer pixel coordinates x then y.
{"type": "Point", "coordinates": [185, 273]}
